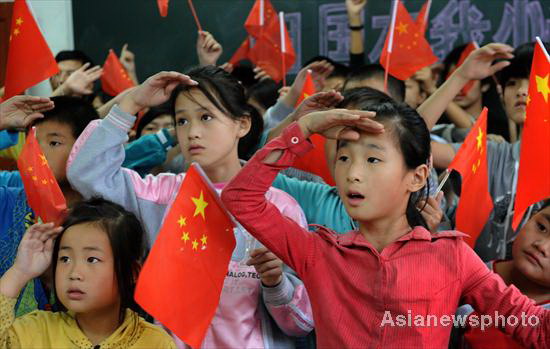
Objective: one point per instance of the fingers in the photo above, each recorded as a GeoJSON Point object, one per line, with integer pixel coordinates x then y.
{"type": "Point", "coordinates": [83, 68]}
{"type": "Point", "coordinates": [165, 76]}
{"type": "Point", "coordinates": [124, 48]}
{"type": "Point", "coordinates": [499, 66]}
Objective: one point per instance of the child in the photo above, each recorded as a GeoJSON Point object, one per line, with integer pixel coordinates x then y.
{"type": "Point", "coordinates": [56, 132]}
{"type": "Point", "coordinates": [212, 123]}
{"type": "Point", "coordinates": [95, 260]}
{"type": "Point", "coordinates": [360, 281]}
{"type": "Point", "coordinates": [529, 271]}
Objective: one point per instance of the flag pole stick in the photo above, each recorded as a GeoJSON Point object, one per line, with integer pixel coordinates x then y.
{"type": "Point", "coordinates": [443, 181]}
{"type": "Point", "coordinates": [190, 2]}
{"type": "Point", "coordinates": [283, 44]}
{"type": "Point", "coordinates": [390, 45]}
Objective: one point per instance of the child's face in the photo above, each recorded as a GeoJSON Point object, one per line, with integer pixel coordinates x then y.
{"type": "Point", "coordinates": [515, 99]}
{"type": "Point", "coordinates": [56, 141]}
{"type": "Point", "coordinates": [205, 134]}
{"type": "Point", "coordinates": [85, 280]}
{"type": "Point", "coordinates": [473, 95]}
{"type": "Point", "coordinates": [531, 249]}
{"type": "Point", "coordinates": [335, 83]}
{"type": "Point", "coordinates": [66, 68]}
{"type": "Point", "coordinates": [414, 96]}
{"type": "Point", "coordinates": [372, 178]}
{"type": "Point", "coordinates": [157, 124]}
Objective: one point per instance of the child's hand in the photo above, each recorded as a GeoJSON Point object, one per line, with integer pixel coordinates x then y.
{"type": "Point", "coordinates": [208, 49]}
{"type": "Point", "coordinates": [267, 265]}
{"type": "Point", "coordinates": [317, 102]}
{"type": "Point", "coordinates": [228, 67]}
{"type": "Point", "coordinates": [154, 91]}
{"type": "Point", "coordinates": [81, 81]}
{"type": "Point", "coordinates": [34, 254]}
{"type": "Point", "coordinates": [479, 63]}
{"type": "Point", "coordinates": [354, 7]}
{"type": "Point", "coordinates": [320, 70]}
{"type": "Point", "coordinates": [339, 123]}
{"type": "Point", "coordinates": [21, 111]}
{"type": "Point", "coordinates": [431, 211]}
{"type": "Point", "coordinates": [260, 74]}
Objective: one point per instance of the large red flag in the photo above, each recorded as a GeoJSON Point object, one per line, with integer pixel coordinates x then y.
{"type": "Point", "coordinates": [163, 7]}
{"type": "Point", "coordinates": [423, 16]}
{"type": "Point", "coordinates": [241, 53]}
{"type": "Point", "coordinates": [475, 204]}
{"type": "Point", "coordinates": [534, 161]}
{"type": "Point", "coordinates": [30, 60]}
{"type": "Point", "coordinates": [43, 193]}
{"type": "Point", "coordinates": [315, 161]}
{"type": "Point", "coordinates": [263, 24]}
{"type": "Point", "coordinates": [472, 46]}
{"type": "Point", "coordinates": [181, 281]}
{"type": "Point", "coordinates": [114, 79]}
{"type": "Point", "coordinates": [406, 50]}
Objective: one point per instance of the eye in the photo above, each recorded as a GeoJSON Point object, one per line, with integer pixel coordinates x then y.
{"type": "Point", "coordinates": [372, 160]}
{"type": "Point", "coordinates": [54, 143]}
{"type": "Point", "coordinates": [343, 158]}
{"type": "Point", "coordinates": [181, 122]}
{"type": "Point", "coordinates": [511, 82]}
{"type": "Point", "coordinates": [92, 260]}
{"type": "Point", "coordinates": [206, 117]}
{"type": "Point", "coordinates": [542, 227]}
{"type": "Point", "coordinates": [64, 259]}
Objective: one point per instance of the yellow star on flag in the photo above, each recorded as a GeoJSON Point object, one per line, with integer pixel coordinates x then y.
{"type": "Point", "coordinates": [474, 168]}
{"type": "Point", "coordinates": [204, 239]}
{"type": "Point", "coordinates": [542, 86]}
{"type": "Point", "coordinates": [16, 31]}
{"type": "Point", "coordinates": [402, 28]}
{"type": "Point", "coordinates": [45, 181]}
{"type": "Point", "coordinates": [34, 178]}
{"type": "Point", "coordinates": [528, 100]}
{"type": "Point", "coordinates": [195, 244]}
{"type": "Point", "coordinates": [19, 21]}
{"type": "Point", "coordinates": [29, 169]}
{"type": "Point", "coordinates": [479, 139]}
{"type": "Point", "coordinates": [200, 205]}
{"type": "Point", "coordinates": [182, 221]}
{"type": "Point", "coordinates": [43, 158]}
{"type": "Point", "coordinates": [185, 237]}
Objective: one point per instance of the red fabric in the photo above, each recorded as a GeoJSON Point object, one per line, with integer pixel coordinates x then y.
{"type": "Point", "coordinates": [472, 46]}
{"type": "Point", "coordinates": [114, 79]}
{"type": "Point", "coordinates": [315, 161]}
{"type": "Point", "coordinates": [267, 52]}
{"type": "Point", "coordinates": [43, 193]}
{"type": "Point", "coordinates": [30, 59]}
{"type": "Point", "coordinates": [353, 287]}
{"type": "Point", "coordinates": [475, 204]}
{"type": "Point", "coordinates": [421, 20]}
{"type": "Point", "coordinates": [410, 50]}
{"type": "Point", "coordinates": [534, 163]}
{"type": "Point", "coordinates": [241, 53]}
{"type": "Point", "coordinates": [181, 281]}
{"type": "Point", "coordinates": [163, 7]}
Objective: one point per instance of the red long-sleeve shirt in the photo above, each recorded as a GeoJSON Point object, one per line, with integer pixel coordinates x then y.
{"type": "Point", "coordinates": [356, 292]}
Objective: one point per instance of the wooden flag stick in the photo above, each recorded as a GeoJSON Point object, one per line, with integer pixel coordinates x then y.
{"type": "Point", "coordinates": [283, 45]}
{"type": "Point", "coordinates": [390, 45]}
{"type": "Point", "coordinates": [190, 2]}
{"type": "Point", "coordinates": [443, 181]}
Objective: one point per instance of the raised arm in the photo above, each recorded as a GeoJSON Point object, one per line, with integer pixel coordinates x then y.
{"type": "Point", "coordinates": [357, 47]}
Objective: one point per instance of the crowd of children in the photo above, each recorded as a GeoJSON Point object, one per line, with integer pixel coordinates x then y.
{"type": "Point", "coordinates": [366, 262]}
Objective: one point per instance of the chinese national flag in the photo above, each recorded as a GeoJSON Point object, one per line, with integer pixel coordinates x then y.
{"type": "Point", "coordinates": [472, 46]}
{"type": "Point", "coordinates": [181, 281]}
{"type": "Point", "coordinates": [43, 193]}
{"type": "Point", "coordinates": [30, 60]}
{"type": "Point", "coordinates": [265, 27]}
{"type": "Point", "coordinates": [114, 79]}
{"type": "Point", "coordinates": [315, 161]}
{"type": "Point", "coordinates": [406, 50]}
{"type": "Point", "coordinates": [423, 16]}
{"type": "Point", "coordinates": [534, 164]}
{"type": "Point", "coordinates": [475, 204]}
{"type": "Point", "coordinates": [241, 53]}
{"type": "Point", "coordinates": [163, 7]}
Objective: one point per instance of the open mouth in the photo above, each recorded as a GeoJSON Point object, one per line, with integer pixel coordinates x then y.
{"type": "Point", "coordinates": [355, 198]}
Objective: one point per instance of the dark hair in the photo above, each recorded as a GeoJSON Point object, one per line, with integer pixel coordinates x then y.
{"type": "Point", "coordinates": [152, 114]}
{"type": "Point", "coordinates": [396, 87]}
{"type": "Point", "coordinates": [72, 111]}
{"type": "Point", "coordinates": [497, 121]}
{"type": "Point", "coordinates": [244, 72]}
{"type": "Point", "coordinates": [228, 95]}
{"type": "Point", "coordinates": [520, 65]}
{"type": "Point", "coordinates": [410, 133]}
{"type": "Point", "coordinates": [126, 237]}
{"type": "Point", "coordinates": [76, 55]}
{"type": "Point", "coordinates": [340, 70]}
{"type": "Point", "coordinates": [265, 92]}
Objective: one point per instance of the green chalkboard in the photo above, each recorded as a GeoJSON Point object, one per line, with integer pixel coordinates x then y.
{"type": "Point", "coordinates": [316, 27]}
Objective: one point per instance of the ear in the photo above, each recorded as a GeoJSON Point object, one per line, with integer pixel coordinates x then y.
{"type": "Point", "coordinates": [485, 88]}
{"type": "Point", "coordinates": [245, 124]}
{"type": "Point", "coordinates": [417, 178]}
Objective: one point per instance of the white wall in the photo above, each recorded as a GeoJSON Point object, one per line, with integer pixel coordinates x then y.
{"type": "Point", "coordinates": [55, 19]}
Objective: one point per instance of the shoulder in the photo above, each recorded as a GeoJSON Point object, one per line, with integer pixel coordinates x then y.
{"type": "Point", "coordinates": [154, 335]}
{"type": "Point", "coordinates": [448, 234]}
{"type": "Point", "coordinates": [279, 197]}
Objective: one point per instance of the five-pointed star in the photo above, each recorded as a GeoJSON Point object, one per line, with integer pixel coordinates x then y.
{"type": "Point", "coordinates": [542, 86]}
{"type": "Point", "coordinates": [402, 28]}
{"type": "Point", "coordinates": [19, 21]}
{"type": "Point", "coordinates": [43, 158]}
{"type": "Point", "coordinates": [195, 244]}
{"type": "Point", "coordinates": [204, 239]}
{"type": "Point", "coordinates": [182, 221]}
{"type": "Point", "coordinates": [44, 181]}
{"type": "Point", "coordinates": [185, 237]}
{"type": "Point", "coordinates": [479, 139]}
{"type": "Point", "coordinates": [29, 168]}
{"type": "Point", "coordinates": [528, 100]}
{"type": "Point", "coordinates": [16, 31]}
{"type": "Point", "coordinates": [200, 205]}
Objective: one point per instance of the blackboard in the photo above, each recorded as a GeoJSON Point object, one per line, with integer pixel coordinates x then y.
{"type": "Point", "coordinates": [316, 27]}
